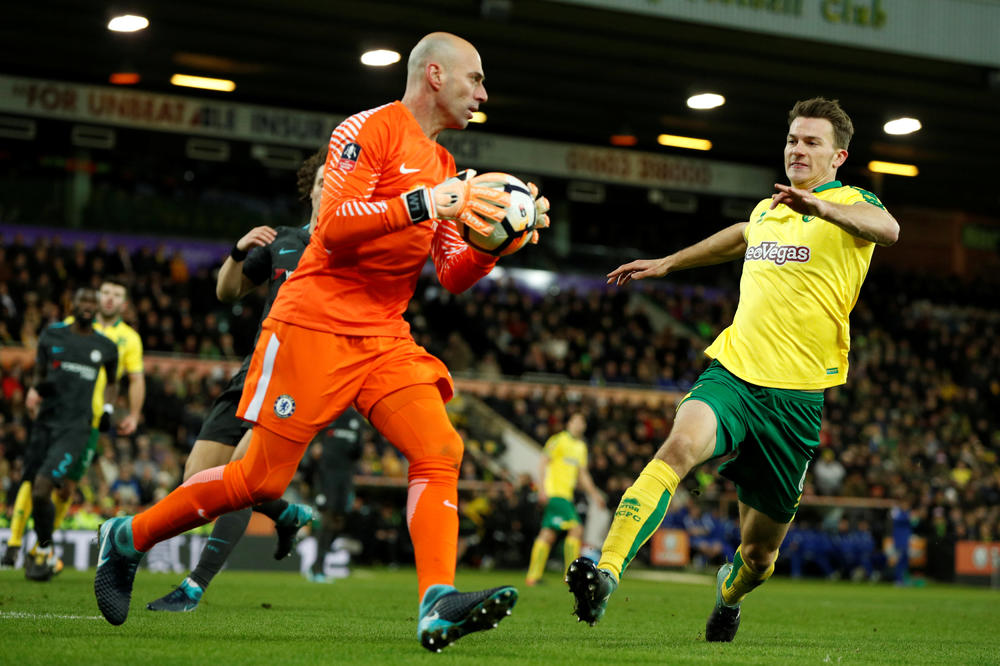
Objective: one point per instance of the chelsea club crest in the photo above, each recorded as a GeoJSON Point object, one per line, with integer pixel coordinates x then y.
{"type": "Point", "coordinates": [284, 406]}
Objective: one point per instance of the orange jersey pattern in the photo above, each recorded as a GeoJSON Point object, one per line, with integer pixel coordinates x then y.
{"type": "Point", "coordinates": [360, 269]}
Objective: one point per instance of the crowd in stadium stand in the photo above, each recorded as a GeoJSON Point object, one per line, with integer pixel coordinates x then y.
{"type": "Point", "coordinates": [917, 421]}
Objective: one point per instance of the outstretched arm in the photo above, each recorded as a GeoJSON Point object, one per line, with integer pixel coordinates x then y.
{"type": "Point", "coordinates": [862, 219]}
{"type": "Point", "coordinates": [720, 247]}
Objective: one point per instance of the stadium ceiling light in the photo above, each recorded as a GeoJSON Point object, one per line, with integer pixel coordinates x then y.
{"type": "Point", "coordinates": [203, 82]}
{"type": "Point", "coordinates": [902, 126]}
{"type": "Point", "coordinates": [478, 117]}
{"type": "Point", "coordinates": [706, 101]}
{"type": "Point", "coordinates": [128, 23]}
{"type": "Point", "coordinates": [684, 142]}
{"type": "Point", "coordinates": [379, 58]}
{"type": "Point", "coordinates": [893, 168]}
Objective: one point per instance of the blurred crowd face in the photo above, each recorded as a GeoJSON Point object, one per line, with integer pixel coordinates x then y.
{"type": "Point", "coordinates": [112, 300]}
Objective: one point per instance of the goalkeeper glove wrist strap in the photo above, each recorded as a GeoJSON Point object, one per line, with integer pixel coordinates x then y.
{"type": "Point", "coordinates": [419, 205]}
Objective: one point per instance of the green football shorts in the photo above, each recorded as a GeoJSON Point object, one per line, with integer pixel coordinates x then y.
{"type": "Point", "coordinates": [560, 514]}
{"type": "Point", "coordinates": [774, 433]}
{"type": "Point", "coordinates": [86, 458]}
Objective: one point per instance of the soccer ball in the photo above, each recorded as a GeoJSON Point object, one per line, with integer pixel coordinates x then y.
{"type": "Point", "coordinates": [514, 231]}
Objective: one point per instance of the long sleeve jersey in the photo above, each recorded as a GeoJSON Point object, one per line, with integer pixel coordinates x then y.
{"type": "Point", "coordinates": [361, 267]}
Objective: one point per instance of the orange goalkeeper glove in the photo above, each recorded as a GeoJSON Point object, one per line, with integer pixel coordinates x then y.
{"type": "Point", "coordinates": [462, 197]}
{"type": "Point", "coordinates": [541, 212]}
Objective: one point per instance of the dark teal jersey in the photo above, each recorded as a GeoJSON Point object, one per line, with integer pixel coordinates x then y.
{"type": "Point", "coordinates": [70, 364]}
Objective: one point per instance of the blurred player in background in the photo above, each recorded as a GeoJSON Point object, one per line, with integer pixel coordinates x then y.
{"type": "Point", "coordinates": [330, 473]}
{"type": "Point", "coordinates": [112, 298]}
{"type": "Point", "coordinates": [67, 364]}
{"type": "Point", "coordinates": [806, 251]}
{"type": "Point", "coordinates": [336, 337]}
{"type": "Point", "coordinates": [262, 255]}
{"type": "Point", "coordinates": [564, 463]}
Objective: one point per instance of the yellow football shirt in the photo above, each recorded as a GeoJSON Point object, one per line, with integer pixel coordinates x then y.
{"type": "Point", "coordinates": [801, 279]}
{"type": "Point", "coordinates": [567, 455]}
{"type": "Point", "coordinates": [129, 358]}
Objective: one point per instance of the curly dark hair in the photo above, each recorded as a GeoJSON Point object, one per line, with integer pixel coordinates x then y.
{"type": "Point", "coordinates": [307, 172]}
{"type": "Point", "coordinates": [820, 107]}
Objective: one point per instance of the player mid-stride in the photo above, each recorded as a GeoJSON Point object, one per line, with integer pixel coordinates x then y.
{"type": "Point", "coordinates": [336, 337]}
{"type": "Point", "coordinates": [805, 251]}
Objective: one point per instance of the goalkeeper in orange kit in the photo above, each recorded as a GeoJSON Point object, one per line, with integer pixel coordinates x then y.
{"type": "Point", "coordinates": [336, 337]}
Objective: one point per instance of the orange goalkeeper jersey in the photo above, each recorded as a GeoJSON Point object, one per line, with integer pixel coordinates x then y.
{"type": "Point", "coordinates": [361, 266]}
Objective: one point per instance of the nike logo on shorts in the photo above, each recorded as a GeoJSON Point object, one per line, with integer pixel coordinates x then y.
{"type": "Point", "coordinates": [403, 169]}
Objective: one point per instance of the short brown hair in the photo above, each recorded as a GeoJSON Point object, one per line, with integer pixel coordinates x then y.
{"type": "Point", "coordinates": [820, 107]}
{"type": "Point", "coordinates": [307, 172]}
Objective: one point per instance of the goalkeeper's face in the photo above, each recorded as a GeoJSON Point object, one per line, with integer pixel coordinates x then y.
{"type": "Point", "coordinates": [464, 88]}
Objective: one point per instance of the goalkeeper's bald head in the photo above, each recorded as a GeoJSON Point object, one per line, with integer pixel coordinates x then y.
{"type": "Point", "coordinates": [441, 48]}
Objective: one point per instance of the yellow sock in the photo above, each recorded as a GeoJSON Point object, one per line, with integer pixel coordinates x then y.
{"type": "Point", "coordinates": [539, 556]}
{"type": "Point", "coordinates": [571, 551]}
{"type": "Point", "coordinates": [638, 515]}
{"type": "Point", "coordinates": [22, 511]}
{"type": "Point", "coordinates": [62, 506]}
{"type": "Point", "coordinates": [742, 580]}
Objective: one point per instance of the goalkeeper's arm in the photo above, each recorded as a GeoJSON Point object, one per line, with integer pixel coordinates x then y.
{"type": "Point", "coordinates": [348, 220]}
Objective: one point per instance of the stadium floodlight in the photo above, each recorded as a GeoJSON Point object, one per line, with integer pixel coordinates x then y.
{"type": "Point", "coordinates": [203, 82]}
{"type": "Point", "coordinates": [684, 142]}
{"type": "Point", "coordinates": [902, 126]}
{"type": "Point", "coordinates": [706, 101]}
{"type": "Point", "coordinates": [128, 23]}
{"type": "Point", "coordinates": [380, 58]}
{"type": "Point", "coordinates": [893, 168]}
{"type": "Point", "coordinates": [478, 117]}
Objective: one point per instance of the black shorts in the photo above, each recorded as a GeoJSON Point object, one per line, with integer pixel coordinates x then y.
{"type": "Point", "coordinates": [56, 449]}
{"type": "Point", "coordinates": [336, 496]}
{"type": "Point", "coordinates": [222, 425]}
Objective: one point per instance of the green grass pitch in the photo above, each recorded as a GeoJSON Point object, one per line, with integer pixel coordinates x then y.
{"type": "Point", "coordinates": [370, 618]}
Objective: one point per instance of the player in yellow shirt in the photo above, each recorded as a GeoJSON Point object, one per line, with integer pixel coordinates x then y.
{"type": "Point", "coordinates": [112, 298]}
{"type": "Point", "coordinates": [805, 251]}
{"type": "Point", "coordinates": [564, 463]}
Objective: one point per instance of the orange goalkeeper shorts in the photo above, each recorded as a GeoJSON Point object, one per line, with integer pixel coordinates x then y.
{"type": "Point", "coordinates": [301, 379]}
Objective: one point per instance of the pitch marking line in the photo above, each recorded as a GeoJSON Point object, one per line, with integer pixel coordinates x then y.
{"type": "Point", "coordinates": [18, 615]}
{"type": "Point", "coordinates": [672, 577]}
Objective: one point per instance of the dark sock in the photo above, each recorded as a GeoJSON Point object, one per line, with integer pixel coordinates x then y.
{"type": "Point", "coordinates": [44, 513]}
{"type": "Point", "coordinates": [323, 543]}
{"type": "Point", "coordinates": [272, 509]}
{"type": "Point", "coordinates": [226, 534]}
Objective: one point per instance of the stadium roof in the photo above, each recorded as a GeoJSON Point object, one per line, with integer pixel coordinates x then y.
{"type": "Point", "coordinates": [553, 71]}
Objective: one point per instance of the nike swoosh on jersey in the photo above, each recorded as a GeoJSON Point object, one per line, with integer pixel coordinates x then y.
{"type": "Point", "coordinates": [286, 250]}
{"type": "Point", "coordinates": [56, 350]}
{"type": "Point", "coordinates": [403, 169]}
{"type": "Point", "coordinates": [449, 504]}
